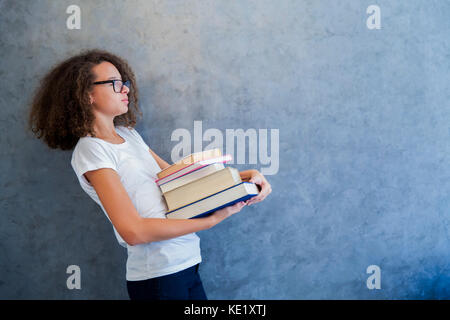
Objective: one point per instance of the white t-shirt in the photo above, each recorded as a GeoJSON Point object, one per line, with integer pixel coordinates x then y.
{"type": "Point", "coordinates": [137, 170]}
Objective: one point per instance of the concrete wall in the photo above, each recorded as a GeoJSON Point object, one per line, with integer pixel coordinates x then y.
{"type": "Point", "coordinates": [363, 149]}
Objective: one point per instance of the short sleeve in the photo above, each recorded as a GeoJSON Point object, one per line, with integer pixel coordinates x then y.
{"type": "Point", "coordinates": [91, 155]}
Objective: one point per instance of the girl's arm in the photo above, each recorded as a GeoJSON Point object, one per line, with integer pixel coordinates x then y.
{"type": "Point", "coordinates": [162, 164]}
{"type": "Point", "coordinates": [135, 229]}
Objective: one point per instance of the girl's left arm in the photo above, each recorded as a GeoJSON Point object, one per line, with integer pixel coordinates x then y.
{"type": "Point", "coordinates": [162, 164]}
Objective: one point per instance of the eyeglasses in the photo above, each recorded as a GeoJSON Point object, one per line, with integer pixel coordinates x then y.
{"type": "Point", "coordinates": [117, 84]}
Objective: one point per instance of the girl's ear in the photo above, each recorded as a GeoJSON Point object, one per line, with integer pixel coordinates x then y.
{"type": "Point", "coordinates": [91, 99]}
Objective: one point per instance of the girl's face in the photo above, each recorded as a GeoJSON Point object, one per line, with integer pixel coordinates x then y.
{"type": "Point", "coordinates": [103, 97]}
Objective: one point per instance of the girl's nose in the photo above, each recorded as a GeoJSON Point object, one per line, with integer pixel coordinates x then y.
{"type": "Point", "coordinates": [125, 89]}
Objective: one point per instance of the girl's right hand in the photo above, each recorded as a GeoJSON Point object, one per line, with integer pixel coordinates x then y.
{"type": "Point", "coordinates": [222, 214]}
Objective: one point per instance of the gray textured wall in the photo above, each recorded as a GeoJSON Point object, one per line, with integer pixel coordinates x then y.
{"type": "Point", "coordinates": [363, 148]}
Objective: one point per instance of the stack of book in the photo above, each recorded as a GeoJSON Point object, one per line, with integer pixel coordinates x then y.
{"type": "Point", "coordinates": [200, 184]}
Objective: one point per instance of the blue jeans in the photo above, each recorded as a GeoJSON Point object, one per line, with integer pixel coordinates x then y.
{"type": "Point", "coordinates": [183, 285]}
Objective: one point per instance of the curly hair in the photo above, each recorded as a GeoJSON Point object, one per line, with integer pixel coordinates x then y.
{"type": "Point", "coordinates": [60, 110]}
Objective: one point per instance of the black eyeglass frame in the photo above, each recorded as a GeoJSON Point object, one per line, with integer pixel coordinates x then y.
{"type": "Point", "coordinates": [124, 83]}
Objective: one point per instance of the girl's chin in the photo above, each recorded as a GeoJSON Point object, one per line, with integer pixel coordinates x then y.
{"type": "Point", "coordinates": [124, 110]}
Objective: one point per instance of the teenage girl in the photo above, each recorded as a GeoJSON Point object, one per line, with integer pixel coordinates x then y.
{"type": "Point", "coordinates": [89, 104]}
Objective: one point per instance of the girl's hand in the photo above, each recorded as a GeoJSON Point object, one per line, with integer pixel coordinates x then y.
{"type": "Point", "coordinates": [264, 186]}
{"type": "Point", "coordinates": [226, 212]}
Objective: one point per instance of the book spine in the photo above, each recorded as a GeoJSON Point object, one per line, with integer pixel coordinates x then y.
{"type": "Point", "coordinates": [191, 176]}
{"type": "Point", "coordinates": [202, 163]}
{"type": "Point", "coordinates": [196, 190]}
{"type": "Point", "coordinates": [189, 160]}
{"type": "Point", "coordinates": [159, 182]}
